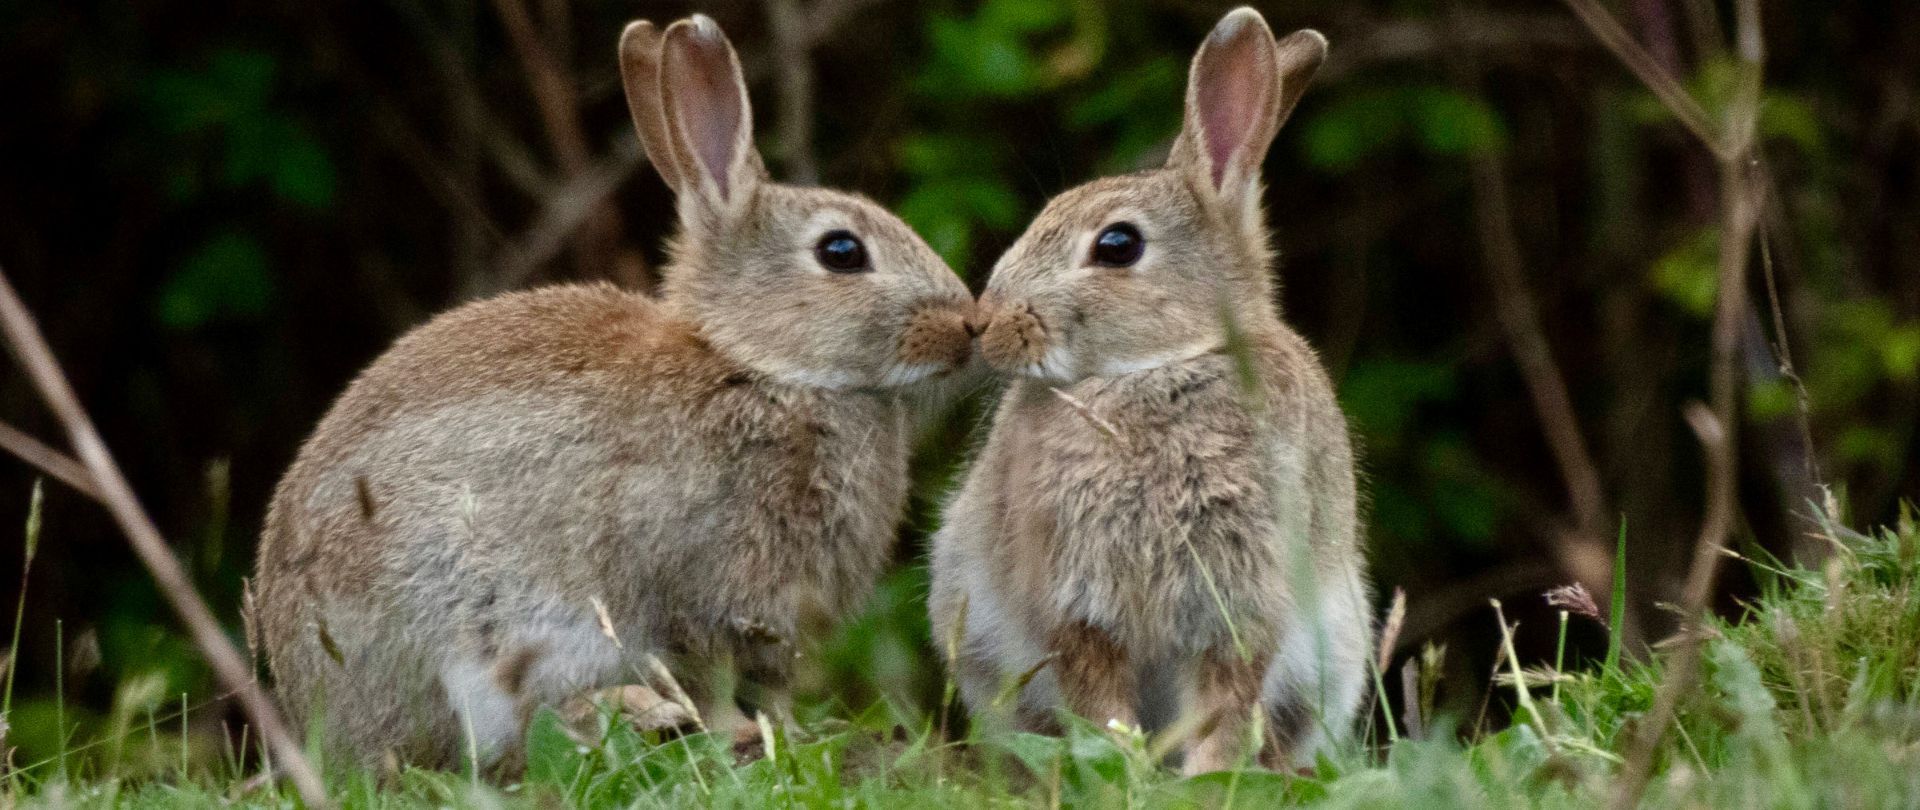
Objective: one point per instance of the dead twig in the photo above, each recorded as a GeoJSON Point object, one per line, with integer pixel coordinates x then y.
{"type": "Point", "coordinates": [552, 89]}
{"type": "Point", "coordinates": [598, 249]}
{"type": "Point", "coordinates": [1717, 428]}
{"type": "Point", "coordinates": [1683, 661]}
{"type": "Point", "coordinates": [1085, 411]}
{"type": "Point", "coordinates": [1519, 317]}
{"type": "Point", "coordinates": [1783, 354]}
{"type": "Point", "coordinates": [1645, 67]}
{"type": "Point", "coordinates": [793, 132]}
{"type": "Point", "coordinates": [566, 210]}
{"type": "Point", "coordinates": [23, 334]}
{"type": "Point", "coordinates": [826, 17]}
{"type": "Point", "coordinates": [48, 460]}
{"type": "Point", "coordinates": [1585, 552]}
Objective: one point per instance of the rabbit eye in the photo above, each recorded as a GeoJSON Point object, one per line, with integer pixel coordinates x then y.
{"type": "Point", "coordinates": [1120, 245]}
{"type": "Point", "coordinates": [841, 252]}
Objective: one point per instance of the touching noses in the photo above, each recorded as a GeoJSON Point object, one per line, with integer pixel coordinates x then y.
{"type": "Point", "coordinates": [1012, 335]}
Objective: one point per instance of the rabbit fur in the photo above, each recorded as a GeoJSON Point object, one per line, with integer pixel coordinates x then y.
{"type": "Point", "coordinates": [1162, 521]}
{"type": "Point", "coordinates": [528, 497]}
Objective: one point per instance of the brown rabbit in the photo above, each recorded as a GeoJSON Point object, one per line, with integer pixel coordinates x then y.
{"type": "Point", "coordinates": [526, 498]}
{"type": "Point", "coordinates": [1164, 509]}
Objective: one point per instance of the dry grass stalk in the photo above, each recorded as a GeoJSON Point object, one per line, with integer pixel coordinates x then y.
{"type": "Point", "coordinates": [1740, 204]}
{"type": "Point", "coordinates": [23, 334]}
{"type": "Point", "coordinates": [1105, 427]}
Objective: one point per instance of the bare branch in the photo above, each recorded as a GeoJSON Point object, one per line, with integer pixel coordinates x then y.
{"type": "Point", "coordinates": [23, 334]}
{"type": "Point", "coordinates": [1520, 317]}
{"type": "Point", "coordinates": [827, 16]}
{"type": "Point", "coordinates": [565, 212]}
{"type": "Point", "coordinates": [1718, 429]}
{"type": "Point", "coordinates": [598, 236]}
{"type": "Point", "coordinates": [1584, 551]}
{"type": "Point", "coordinates": [1782, 352]}
{"type": "Point", "coordinates": [1442, 607]}
{"type": "Point", "coordinates": [464, 95]}
{"type": "Point", "coordinates": [1636, 58]}
{"type": "Point", "coordinates": [47, 460]}
{"type": "Point", "coordinates": [787, 25]}
{"type": "Point", "coordinates": [1478, 34]}
{"type": "Point", "coordinates": [552, 90]}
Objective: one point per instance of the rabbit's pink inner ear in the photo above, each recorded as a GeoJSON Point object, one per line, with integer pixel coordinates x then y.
{"type": "Point", "coordinates": [1234, 92]}
{"type": "Point", "coordinates": [709, 101]}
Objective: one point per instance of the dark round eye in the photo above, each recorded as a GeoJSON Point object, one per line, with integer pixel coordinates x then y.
{"type": "Point", "coordinates": [841, 252]}
{"type": "Point", "coordinates": [1120, 245]}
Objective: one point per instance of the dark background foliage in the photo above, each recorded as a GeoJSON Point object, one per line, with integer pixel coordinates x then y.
{"type": "Point", "coordinates": [221, 210]}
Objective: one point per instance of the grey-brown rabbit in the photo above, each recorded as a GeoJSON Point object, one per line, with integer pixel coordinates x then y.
{"type": "Point", "coordinates": [524, 480]}
{"type": "Point", "coordinates": [1164, 512]}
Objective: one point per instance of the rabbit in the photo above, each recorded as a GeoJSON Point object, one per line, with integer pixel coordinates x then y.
{"type": "Point", "coordinates": [540, 495]}
{"type": "Point", "coordinates": [1161, 524]}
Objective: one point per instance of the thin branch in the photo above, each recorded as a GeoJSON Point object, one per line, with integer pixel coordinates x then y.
{"type": "Point", "coordinates": [1683, 663]}
{"type": "Point", "coordinates": [788, 28]}
{"type": "Point", "coordinates": [1718, 429]}
{"type": "Point", "coordinates": [826, 17]}
{"type": "Point", "coordinates": [1519, 316]}
{"type": "Point", "coordinates": [552, 90]}
{"type": "Point", "coordinates": [1585, 551]}
{"type": "Point", "coordinates": [1441, 607]}
{"type": "Point", "coordinates": [23, 334]}
{"type": "Point", "coordinates": [1783, 353]}
{"type": "Point", "coordinates": [1481, 35]}
{"type": "Point", "coordinates": [47, 460]}
{"type": "Point", "coordinates": [598, 234]}
{"type": "Point", "coordinates": [509, 154]}
{"type": "Point", "coordinates": [566, 210]}
{"type": "Point", "coordinates": [1636, 58]}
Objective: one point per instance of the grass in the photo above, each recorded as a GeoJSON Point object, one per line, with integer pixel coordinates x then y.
{"type": "Point", "coordinates": [1809, 698]}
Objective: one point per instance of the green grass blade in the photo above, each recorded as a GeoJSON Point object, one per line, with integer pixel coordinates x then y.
{"type": "Point", "coordinates": [1617, 607]}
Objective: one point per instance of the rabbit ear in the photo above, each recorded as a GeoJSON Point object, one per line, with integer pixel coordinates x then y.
{"type": "Point", "coordinates": [708, 120]}
{"type": "Point", "coordinates": [640, 72]}
{"type": "Point", "coordinates": [1240, 89]}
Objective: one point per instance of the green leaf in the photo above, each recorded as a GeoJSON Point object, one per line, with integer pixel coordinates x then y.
{"type": "Point", "coordinates": [1790, 119]}
{"type": "Point", "coordinates": [1438, 120]}
{"type": "Point", "coordinates": [1151, 91]}
{"type": "Point", "coordinates": [552, 756]}
{"type": "Point", "coordinates": [227, 278]}
{"type": "Point", "coordinates": [1464, 497]}
{"type": "Point", "coordinates": [933, 155]}
{"type": "Point", "coordinates": [1450, 122]}
{"type": "Point", "coordinates": [1351, 129]}
{"type": "Point", "coordinates": [1039, 752]}
{"type": "Point", "coordinates": [1380, 396]}
{"type": "Point", "coordinates": [1770, 399]}
{"type": "Point", "coordinates": [1022, 16]}
{"type": "Point", "coordinates": [302, 173]}
{"type": "Point", "coordinates": [1900, 353]}
{"type": "Point", "coordinates": [1688, 275]}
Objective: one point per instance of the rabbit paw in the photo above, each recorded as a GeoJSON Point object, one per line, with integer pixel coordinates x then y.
{"type": "Point", "coordinates": [638, 706]}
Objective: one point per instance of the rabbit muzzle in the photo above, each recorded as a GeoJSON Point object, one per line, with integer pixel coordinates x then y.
{"type": "Point", "coordinates": [1016, 338]}
{"type": "Point", "coordinates": [938, 338]}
